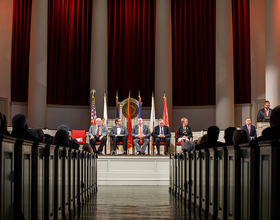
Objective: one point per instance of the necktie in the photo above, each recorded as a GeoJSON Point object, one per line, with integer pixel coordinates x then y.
{"type": "Point", "coordinates": [97, 132]}
{"type": "Point", "coordinates": [140, 132]}
{"type": "Point", "coordinates": [161, 130]}
{"type": "Point", "coordinates": [249, 129]}
{"type": "Point", "coordinates": [266, 112]}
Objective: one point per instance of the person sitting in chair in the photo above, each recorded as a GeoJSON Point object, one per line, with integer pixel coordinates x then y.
{"type": "Point", "coordinates": [98, 132]}
{"type": "Point", "coordinates": [140, 133]}
{"type": "Point", "coordinates": [119, 133]}
{"type": "Point", "coordinates": [162, 133]}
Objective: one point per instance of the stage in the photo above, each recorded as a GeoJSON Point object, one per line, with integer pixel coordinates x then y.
{"type": "Point", "coordinates": [132, 170]}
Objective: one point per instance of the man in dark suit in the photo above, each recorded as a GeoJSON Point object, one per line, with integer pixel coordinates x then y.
{"type": "Point", "coordinates": [162, 133]}
{"type": "Point", "coordinates": [264, 112]}
{"type": "Point", "coordinates": [119, 133]}
{"type": "Point", "coordinates": [139, 133]}
{"type": "Point", "coordinates": [251, 130]}
{"type": "Point", "coordinates": [20, 128]}
{"type": "Point", "coordinates": [98, 132]}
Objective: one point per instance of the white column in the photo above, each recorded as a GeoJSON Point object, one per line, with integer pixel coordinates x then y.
{"type": "Point", "coordinates": [272, 46]}
{"type": "Point", "coordinates": [224, 65]}
{"type": "Point", "coordinates": [257, 44]}
{"type": "Point", "coordinates": [99, 53]}
{"type": "Point", "coordinates": [37, 87]}
{"type": "Point", "coordinates": [6, 30]}
{"type": "Point", "coordinates": [163, 58]}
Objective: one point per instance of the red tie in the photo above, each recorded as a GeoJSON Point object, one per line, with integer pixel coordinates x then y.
{"type": "Point", "coordinates": [249, 129]}
{"type": "Point", "coordinates": [97, 132]}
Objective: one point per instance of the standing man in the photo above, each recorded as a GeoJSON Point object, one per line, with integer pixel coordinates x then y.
{"type": "Point", "coordinates": [98, 132]}
{"type": "Point", "coordinates": [119, 133]}
{"type": "Point", "coordinates": [140, 133]}
{"type": "Point", "coordinates": [264, 112]}
{"type": "Point", "coordinates": [162, 133]}
{"type": "Point", "coordinates": [251, 130]}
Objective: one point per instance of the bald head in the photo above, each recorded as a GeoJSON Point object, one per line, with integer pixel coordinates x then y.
{"type": "Point", "coordinates": [275, 117]}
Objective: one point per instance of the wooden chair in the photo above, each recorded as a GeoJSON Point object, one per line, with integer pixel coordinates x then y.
{"type": "Point", "coordinates": [119, 143]}
{"type": "Point", "coordinates": [162, 143]}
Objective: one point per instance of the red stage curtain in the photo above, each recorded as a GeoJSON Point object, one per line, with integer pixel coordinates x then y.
{"type": "Point", "coordinates": [193, 36]}
{"type": "Point", "coordinates": [20, 50]}
{"type": "Point", "coordinates": [69, 47]}
{"type": "Point", "coordinates": [241, 48]}
{"type": "Point", "coordinates": [131, 49]}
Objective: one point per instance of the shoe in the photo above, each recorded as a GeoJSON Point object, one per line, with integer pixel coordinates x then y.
{"type": "Point", "coordinates": [124, 152]}
{"type": "Point", "coordinates": [138, 152]}
{"type": "Point", "coordinates": [113, 153]}
{"type": "Point", "coordinates": [143, 153]}
{"type": "Point", "coordinates": [100, 153]}
{"type": "Point", "coordinates": [165, 153]}
{"type": "Point", "coordinates": [158, 153]}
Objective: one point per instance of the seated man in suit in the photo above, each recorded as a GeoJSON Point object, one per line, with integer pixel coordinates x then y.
{"type": "Point", "coordinates": [98, 132]}
{"type": "Point", "coordinates": [162, 133]}
{"type": "Point", "coordinates": [251, 130]}
{"type": "Point", "coordinates": [140, 133]}
{"type": "Point", "coordinates": [119, 133]}
{"type": "Point", "coordinates": [264, 112]}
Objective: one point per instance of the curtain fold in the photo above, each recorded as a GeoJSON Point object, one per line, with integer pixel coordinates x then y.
{"type": "Point", "coordinates": [193, 38]}
{"type": "Point", "coordinates": [241, 50]}
{"type": "Point", "coordinates": [131, 49]}
{"type": "Point", "coordinates": [69, 47]}
{"type": "Point", "coordinates": [20, 50]}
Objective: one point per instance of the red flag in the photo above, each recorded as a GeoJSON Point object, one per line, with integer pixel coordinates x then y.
{"type": "Point", "coordinates": [128, 124]}
{"type": "Point", "coordinates": [165, 113]}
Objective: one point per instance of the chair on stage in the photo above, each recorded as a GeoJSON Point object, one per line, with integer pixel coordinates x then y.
{"type": "Point", "coordinates": [147, 151]}
{"type": "Point", "coordinates": [119, 143]}
{"type": "Point", "coordinates": [177, 143]}
{"type": "Point", "coordinates": [79, 135]}
{"type": "Point", "coordinates": [162, 143]}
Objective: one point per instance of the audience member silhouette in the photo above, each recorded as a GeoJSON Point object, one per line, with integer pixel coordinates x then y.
{"type": "Point", "coordinates": [240, 137]}
{"type": "Point", "coordinates": [72, 144]}
{"type": "Point", "coordinates": [272, 132]}
{"type": "Point", "coordinates": [213, 135]}
{"type": "Point", "coordinates": [3, 125]}
{"type": "Point", "coordinates": [188, 146]}
{"type": "Point", "coordinates": [41, 134]}
{"type": "Point", "coordinates": [61, 138]}
{"type": "Point", "coordinates": [20, 128]}
{"type": "Point", "coordinates": [228, 135]}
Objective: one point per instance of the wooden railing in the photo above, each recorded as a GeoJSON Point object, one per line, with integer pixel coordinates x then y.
{"type": "Point", "coordinates": [41, 181]}
{"type": "Point", "coordinates": [234, 182]}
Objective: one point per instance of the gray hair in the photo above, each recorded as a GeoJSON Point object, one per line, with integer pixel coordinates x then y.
{"type": "Point", "coordinates": [63, 127]}
{"type": "Point", "coordinates": [19, 121]}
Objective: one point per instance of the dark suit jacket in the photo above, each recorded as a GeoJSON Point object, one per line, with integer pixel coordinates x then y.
{"type": "Point", "coordinates": [253, 132]}
{"type": "Point", "coordinates": [166, 131]}
{"type": "Point", "coordinates": [135, 131]}
{"type": "Point", "coordinates": [180, 132]}
{"type": "Point", "coordinates": [262, 113]}
{"type": "Point", "coordinates": [114, 131]}
{"type": "Point", "coordinates": [23, 133]}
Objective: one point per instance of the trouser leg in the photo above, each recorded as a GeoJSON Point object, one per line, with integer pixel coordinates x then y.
{"type": "Point", "coordinates": [92, 144]}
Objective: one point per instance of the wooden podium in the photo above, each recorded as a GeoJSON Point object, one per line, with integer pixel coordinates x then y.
{"type": "Point", "coordinates": [261, 126]}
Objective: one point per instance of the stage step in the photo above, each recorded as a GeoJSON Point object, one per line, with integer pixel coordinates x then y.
{"type": "Point", "coordinates": [133, 170]}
